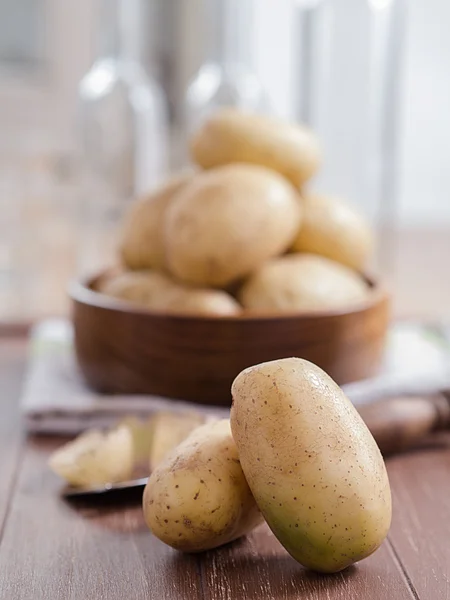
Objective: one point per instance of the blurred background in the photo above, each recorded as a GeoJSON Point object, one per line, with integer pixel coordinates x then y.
{"type": "Point", "coordinates": [97, 99]}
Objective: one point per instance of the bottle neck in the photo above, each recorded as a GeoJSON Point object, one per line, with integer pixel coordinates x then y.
{"type": "Point", "coordinates": [120, 29]}
{"type": "Point", "coordinates": [229, 28]}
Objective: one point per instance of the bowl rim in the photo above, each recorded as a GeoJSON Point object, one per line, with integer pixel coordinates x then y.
{"type": "Point", "coordinates": [81, 291]}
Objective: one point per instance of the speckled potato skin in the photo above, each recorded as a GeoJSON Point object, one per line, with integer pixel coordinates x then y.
{"type": "Point", "coordinates": [142, 244]}
{"type": "Point", "coordinates": [231, 135]}
{"type": "Point", "coordinates": [313, 466]}
{"type": "Point", "coordinates": [227, 222]}
{"type": "Point", "coordinates": [333, 229]}
{"type": "Point", "coordinates": [302, 282]}
{"type": "Point", "coordinates": [198, 498]}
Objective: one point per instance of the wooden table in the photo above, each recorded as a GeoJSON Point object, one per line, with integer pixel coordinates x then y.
{"type": "Point", "coordinates": [52, 550]}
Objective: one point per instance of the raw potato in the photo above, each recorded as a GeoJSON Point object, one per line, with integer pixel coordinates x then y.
{"type": "Point", "coordinates": [233, 136]}
{"type": "Point", "coordinates": [96, 458]}
{"type": "Point", "coordinates": [142, 244]}
{"type": "Point", "coordinates": [302, 282]}
{"type": "Point", "coordinates": [146, 288]}
{"type": "Point", "coordinates": [312, 465]}
{"type": "Point", "coordinates": [191, 301]}
{"type": "Point", "coordinates": [198, 498]}
{"type": "Point", "coordinates": [333, 229]}
{"type": "Point", "coordinates": [169, 430]}
{"type": "Point", "coordinates": [227, 222]}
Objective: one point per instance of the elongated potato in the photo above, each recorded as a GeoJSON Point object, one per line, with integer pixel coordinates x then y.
{"type": "Point", "coordinates": [302, 282]}
{"type": "Point", "coordinates": [142, 244]}
{"type": "Point", "coordinates": [198, 498]}
{"type": "Point", "coordinates": [333, 229]}
{"type": "Point", "coordinates": [227, 222]}
{"type": "Point", "coordinates": [231, 135]}
{"type": "Point", "coordinates": [150, 289]}
{"type": "Point", "coordinates": [312, 465]}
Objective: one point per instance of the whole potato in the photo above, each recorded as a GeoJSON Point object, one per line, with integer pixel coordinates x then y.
{"type": "Point", "coordinates": [192, 301]}
{"type": "Point", "coordinates": [142, 237]}
{"type": "Point", "coordinates": [333, 229]}
{"type": "Point", "coordinates": [146, 288]}
{"type": "Point", "coordinates": [312, 465]}
{"type": "Point", "coordinates": [198, 498]}
{"type": "Point", "coordinates": [302, 282]}
{"type": "Point", "coordinates": [227, 222]}
{"type": "Point", "coordinates": [230, 136]}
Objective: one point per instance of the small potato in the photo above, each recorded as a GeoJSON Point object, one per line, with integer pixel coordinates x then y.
{"type": "Point", "coordinates": [333, 229]}
{"type": "Point", "coordinates": [192, 301]}
{"type": "Point", "coordinates": [146, 288]}
{"type": "Point", "coordinates": [230, 136]}
{"type": "Point", "coordinates": [227, 222]}
{"type": "Point", "coordinates": [302, 282]}
{"type": "Point", "coordinates": [198, 498]}
{"type": "Point", "coordinates": [96, 458]}
{"type": "Point", "coordinates": [142, 238]}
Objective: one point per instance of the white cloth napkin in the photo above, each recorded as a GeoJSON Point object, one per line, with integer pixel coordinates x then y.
{"type": "Point", "coordinates": [56, 400]}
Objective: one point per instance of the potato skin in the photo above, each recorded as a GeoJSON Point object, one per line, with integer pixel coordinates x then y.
{"type": "Point", "coordinates": [230, 135]}
{"type": "Point", "coordinates": [302, 282]}
{"type": "Point", "coordinates": [312, 465]}
{"type": "Point", "coordinates": [149, 289]}
{"type": "Point", "coordinates": [202, 301]}
{"type": "Point", "coordinates": [227, 222]}
{"type": "Point", "coordinates": [198, 498]}
{"type": "Point", "coordinates": [333, 229]}
{"type": "Point", "coordinates": [142, 244]}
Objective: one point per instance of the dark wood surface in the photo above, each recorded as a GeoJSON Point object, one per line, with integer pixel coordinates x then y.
{"type": "Point", "coordinates": [53, 550]}
{"type": "Point", "coordinates": [125, 349]}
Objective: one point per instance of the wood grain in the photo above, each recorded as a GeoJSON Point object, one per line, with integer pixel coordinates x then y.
{"type": "Point", "coordinates": [12, 362]}
{"type": "Point", "coordinates": [123, 349]}
{"type": "Point", "coordinates": [55, 550]}
{"type": "Point", "coordinates": [420, 532]}
{"type": "Point", "coordinates": [258, 568]}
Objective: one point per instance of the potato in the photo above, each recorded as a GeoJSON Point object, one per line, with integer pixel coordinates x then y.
{"type": "Point", "coordinates": [192, 301]}
{"type": "Point", "coordinates": [169, 430]}
{"type": "Point", "coordinates": [230, 136]}
{"type": "Point", "coordinates": [333, 229]}
{"type": "Point", "coordinates": [198, 498]}
{"type": "Point", "coordinates": [142, 238]}
{"type": "Point", "coordinates": [96, 458]}
{"type": "Point", "coordinates": [227, 222]}
{"type": "Point", "coordinates": [146, 288]}
{"type": "Point", "coordinates": [302, 282]}
{"type": "Point", "coordinates": [312, 465]}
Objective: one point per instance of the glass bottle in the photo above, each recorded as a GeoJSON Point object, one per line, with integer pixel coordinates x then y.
{"type": "Point", "coordinates": [348, 81]}
{"type": "Point", "coordinates": [123, 132]}
{"type": "Point", "coordinates": [227, 77]}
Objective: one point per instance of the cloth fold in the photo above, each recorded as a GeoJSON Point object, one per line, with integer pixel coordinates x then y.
{"type": "Point", "coordinates": [55, 399]}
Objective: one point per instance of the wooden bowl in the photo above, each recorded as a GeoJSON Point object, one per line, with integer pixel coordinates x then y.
{"type": "Point", "coordinates": [128, 350]}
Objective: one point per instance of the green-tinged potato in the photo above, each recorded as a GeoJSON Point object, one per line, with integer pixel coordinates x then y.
{"type": "Point", "coordinates": [302, 282]}
{"type": "Point", "coordinates": [169, 430]}
{"type": "Point", "coordinates": [96, 458]}
{"type": "Point", "coordinates": [198, 498]}
{"type": "Point", "coordinates": [313, 466]}
{"type": "Point", "coordinates": [226, 222]}
{"type": "Point", "coordinates": [142, 244]}
{"type": "Point", "coordinates": [230, 135]}
{"type": "Point", "coordinates": [333, 229]}
{"type": "Point", "coordinates": [192, 301]}
{"type": "Point", "coordinates": [146, 288]}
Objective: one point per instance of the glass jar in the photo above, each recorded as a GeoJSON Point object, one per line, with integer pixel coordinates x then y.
{"type": "Point", "coordinates": [348, 82]}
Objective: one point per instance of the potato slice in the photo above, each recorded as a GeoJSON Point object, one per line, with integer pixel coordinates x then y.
{"type": "Point", "coordinates": [95, 458]}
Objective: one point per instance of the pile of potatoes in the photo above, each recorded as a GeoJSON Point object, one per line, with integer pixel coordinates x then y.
{"type": "Point", "coordinates": [241, 232]}
{"type": "Point", "coordinates": [296, 453]}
